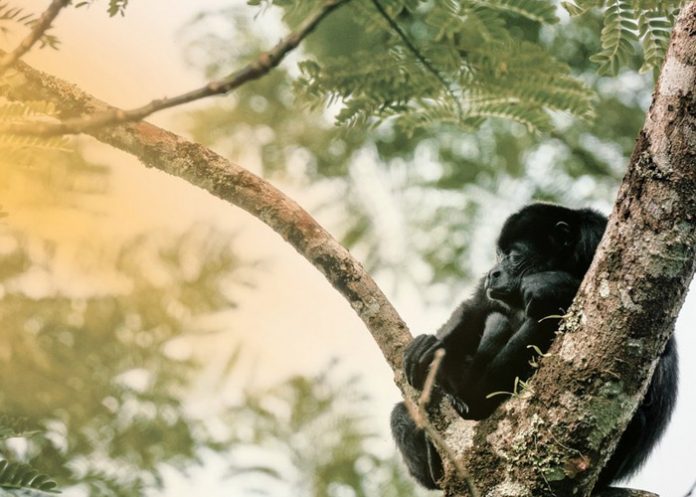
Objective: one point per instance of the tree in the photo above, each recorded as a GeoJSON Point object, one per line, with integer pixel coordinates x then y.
{"type": "Point", "coordinates": [645, 247]}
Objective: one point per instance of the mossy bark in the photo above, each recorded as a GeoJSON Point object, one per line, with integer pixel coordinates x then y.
{"type": "Point", "coordinates": [555, 437]}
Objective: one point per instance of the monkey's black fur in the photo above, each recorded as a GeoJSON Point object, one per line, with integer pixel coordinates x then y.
{"type": "Point", "coordinates": [544, 251]}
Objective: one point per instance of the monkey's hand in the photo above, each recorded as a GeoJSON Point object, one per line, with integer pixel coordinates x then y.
{"type": "Point", "coordinates": [417, 358]}
{"type": "Point", "coordinates": [548, 293]}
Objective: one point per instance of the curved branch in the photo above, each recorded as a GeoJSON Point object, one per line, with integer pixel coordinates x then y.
{"type": "Point", "coordinates": [109, 115]}
{"type": "Point", "coordinates": [200, 166]}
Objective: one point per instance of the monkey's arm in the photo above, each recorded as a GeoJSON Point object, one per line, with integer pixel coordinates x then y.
{"type": "Point", "coordinates": [488, 382]}
{"type": "Point", "coordinates": [510, 343]}
{"type": "Point", "coordinates": [459, 336]}
{"type": "Point", "coordinates": [548, 293]}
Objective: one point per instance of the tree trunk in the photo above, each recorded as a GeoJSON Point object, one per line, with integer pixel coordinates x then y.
{"type": "Point", "coordinates": [559, 433]}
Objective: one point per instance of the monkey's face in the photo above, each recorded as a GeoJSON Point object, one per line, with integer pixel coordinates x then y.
{"type": "Point", "coordinates": [529, 243]}
{"type": "Point", "coordinates": [503, 280]}
{"type": "Point", "coordinates": [523, 258]}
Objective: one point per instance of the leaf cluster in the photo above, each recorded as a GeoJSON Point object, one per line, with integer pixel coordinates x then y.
{"type": "Point", "coordinates": [21, 150]}
{"type": "Point", "coordinates": [490, 68]}
{"type": "Point", "coordinates": [309, 435]}
{"type": "Point", "coordinates": [16, 476]}
{"type": "Point", "coordinates": [630, 27]}
{"type": "Point", "coordinates": [42, 170]}
{"type": "Point", "coordinates": [20, 476]}
{"type": "Point", "coordinates": [114, 7]}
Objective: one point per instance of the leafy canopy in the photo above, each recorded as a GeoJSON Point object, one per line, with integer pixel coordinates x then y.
{"type": "Point", "coordinates": [461, 62]}
{"type": "Point", "coordinates": [441, 178]}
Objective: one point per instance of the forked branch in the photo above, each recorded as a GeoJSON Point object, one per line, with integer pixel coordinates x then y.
{"type": "Point", "coordinates": [254, 70]}
{"type": "Point", "coordinates": [37, 31]}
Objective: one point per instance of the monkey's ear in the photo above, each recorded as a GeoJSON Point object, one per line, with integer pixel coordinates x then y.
{"type": "Point", "coordinates": [561, 235]}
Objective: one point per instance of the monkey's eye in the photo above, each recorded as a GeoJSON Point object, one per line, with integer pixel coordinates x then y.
{"type": "Point", "coordinates": [515, 256]}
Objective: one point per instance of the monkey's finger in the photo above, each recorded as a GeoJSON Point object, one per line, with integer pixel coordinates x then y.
{"type": "Point", "coordinates": [417, 348]}
{"type": "Point", "coordinates": [459, 405]}
{"type": "Point", "coordinates": [425, 359]}
{"type": "Point", "coordinates": [421, 342]}
{"type": "Point", "coordinates": [414, 374]}
{"type": "Point", "coordinates": [412, 365]}
{"type": "Point", "coordinates": [428, 355]}
{"type": "Point", "coordinates": [413, 355]}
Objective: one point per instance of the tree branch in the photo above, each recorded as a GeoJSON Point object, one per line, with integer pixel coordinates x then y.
{"type": "Point", "coordinates": [554, 438]}
{"type": "Point", "coordinates": [41, 26]}
{"type": "Point", "coordinates": [200, 166]}
{"type": "Point", "coordinates": [111, 115]}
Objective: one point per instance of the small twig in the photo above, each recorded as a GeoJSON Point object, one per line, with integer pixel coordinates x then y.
{"type": "Point", "coordinates": [254, 70]}
{"type": "Point", "coordinates": [429, 384]}
{"type": "Point", "coordinates": [419, 414]}
{"type": "Point", "coordinates": [419, 55]}
{"type": "Point", "coordinates": [41, 26]}
{"type": "Point", "coordinates": [623, 492]}
{"type": "Point", "coordinates": [691, 490]}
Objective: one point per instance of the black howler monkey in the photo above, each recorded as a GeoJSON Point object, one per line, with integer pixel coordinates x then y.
{"type": "Point", "coordinates": [544, 251]}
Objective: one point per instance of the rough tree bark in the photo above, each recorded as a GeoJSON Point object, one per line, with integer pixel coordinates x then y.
{"type": "Point", "coordinates": [554, 438]}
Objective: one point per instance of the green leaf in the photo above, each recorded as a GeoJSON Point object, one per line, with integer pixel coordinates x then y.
{"type": "Point", "coordinates": [22, 476]}
{"type": "Point", "coordinates": [619, 32]}
{"type": "Point", "coordinates": [542, 11]}
{"type": "Point", "coordinates": [654, 31]}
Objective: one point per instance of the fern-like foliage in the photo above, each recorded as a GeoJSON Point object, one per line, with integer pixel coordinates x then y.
{"type": "Point", "coordinates": [21, 150]}
{"type": "Point", "coordinates": [14, 426]}
{"type": "Point", "coordinates": [536, 10]}
{"type": "Point", "coordinates": [11, 14]}
{"type": "Point", "coordinates": [488, 70]}
{"type": "Point", "coordinates": [16, 476]}
{"type": "Point", "coordinates": [631, 27]}
{"type": "Point", "coordinates": [114, 7]}
{"type": "Point", "coordinates": [618, 37]}
{"type": "Point", "coordinates": [461, 62]}
{"type": "Point", "coordinates": [654, 29]}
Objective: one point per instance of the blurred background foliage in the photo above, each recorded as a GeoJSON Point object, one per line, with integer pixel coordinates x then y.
{"type": "Point", "coordinates": [101, 375]}
{"type": "Point", "coordinates": [411, 163]}
{"type": "Point", "coordinates": [312, 436]}
{"type": "Point", "coordinates": [432, 184]}
{"type": "Point", "coordinates": [100, 379]}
